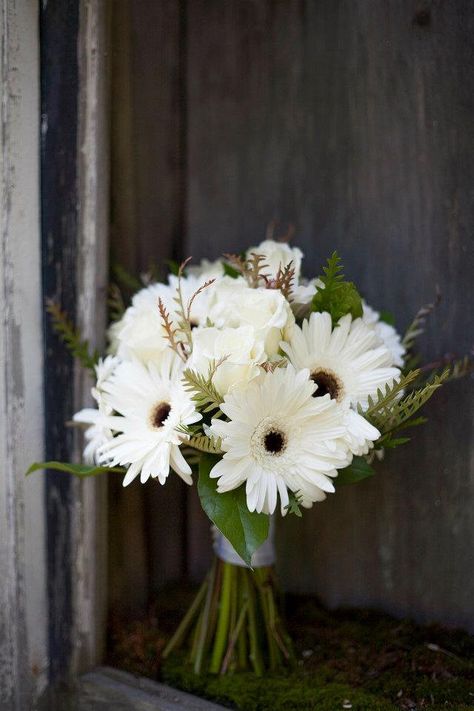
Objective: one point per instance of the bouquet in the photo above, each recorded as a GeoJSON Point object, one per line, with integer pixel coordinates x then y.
{"type": "Point", "coordinates": [272, 390]}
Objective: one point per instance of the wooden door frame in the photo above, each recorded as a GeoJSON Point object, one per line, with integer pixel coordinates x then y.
{"type": "Point", "coordinates": [74, 209]}
{"type": "Point", "coordinates": [53, 244]}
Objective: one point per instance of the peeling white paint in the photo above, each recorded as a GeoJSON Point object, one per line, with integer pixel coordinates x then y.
{"type": "Point", "coordinates": [23, 609]}
{"type": "Point", "coordinates": [90, 511]}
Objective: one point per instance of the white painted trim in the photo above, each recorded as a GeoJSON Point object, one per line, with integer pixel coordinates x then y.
{"type": "Point", "coordinates": [23, 606]}
{"type": "Point", "coordinates": [90, 509]}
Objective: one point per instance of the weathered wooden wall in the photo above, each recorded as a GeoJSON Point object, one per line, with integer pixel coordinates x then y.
{"type": "Point", "coordinates": [353, 121]}
{"type": "Point", "coordinates": [23, 606]}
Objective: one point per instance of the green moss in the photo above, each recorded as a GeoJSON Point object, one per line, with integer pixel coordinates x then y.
{"type": "Point", "coordinates": [366, 658]}
{"type": "Point", "coordinates": [276, 693]}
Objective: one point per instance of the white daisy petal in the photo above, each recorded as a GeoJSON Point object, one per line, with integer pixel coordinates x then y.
{"type": "Point", "coordinates": [276, 428]}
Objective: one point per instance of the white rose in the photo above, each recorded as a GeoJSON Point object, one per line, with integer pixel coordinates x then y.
{"type": "Point", "coordinates": [278, 254]}
{"type": "Point", "coordinates": [206, 269]}
{"type": "Point", "coordinates": [235, 304]}
{"type": "Point", "coordinates": [242, 350]}
{"type": "Point", "coordinates": [140, 333]}
{"type": "Point", "coordinates": [189, 286]}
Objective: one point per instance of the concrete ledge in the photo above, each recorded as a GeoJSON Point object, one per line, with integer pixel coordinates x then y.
{"type": "Point", "coordinates": [106, 689]}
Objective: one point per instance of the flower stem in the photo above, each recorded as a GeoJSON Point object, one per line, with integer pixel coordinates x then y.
{"type": "Point", "coordinates": [185, 623]}
{"type": "Point", "coordinates": [223, 620]}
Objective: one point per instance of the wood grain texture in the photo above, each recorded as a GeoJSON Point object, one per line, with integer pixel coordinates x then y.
{"type": "Point", "coordinates": [23, 605]}
{"type": "Point", "coordinates": [147, 224]}
{"type": "Point", "coordinates": [354, 122]}
{"type": "Point", "coordinates": [89, 515]}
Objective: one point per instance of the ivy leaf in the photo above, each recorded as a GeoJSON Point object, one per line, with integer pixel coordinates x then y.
{"type": "Point", "coordinates": [246, 531]}
{"type": "Point", "coordinates": [80, 470]}
{"type": "Point", "coordinates": [338, 297]}
{"type": "Point", "coordinates": [355, 472]}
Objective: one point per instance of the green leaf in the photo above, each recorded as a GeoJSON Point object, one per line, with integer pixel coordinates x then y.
{"type": "Point", "coordinates": [245, 531]}
{"type": "Point", "coordinates": [338, 297]}
{"type": "Point", "coordinates": [387, 317]}
{"type": "Point", "coordinates": [173, 266]}
{"type": "Point", "coordinates": [80, 470]}
{"type": "Point", "coordinates": [230, 271]}
{"type": "Point", "coordinates": [355, 472]}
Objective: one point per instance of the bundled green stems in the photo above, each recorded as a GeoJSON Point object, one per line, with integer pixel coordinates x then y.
{"type": "Point", "coordinates": [234, 624]}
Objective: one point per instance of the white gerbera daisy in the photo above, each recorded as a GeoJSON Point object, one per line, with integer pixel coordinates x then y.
{"type": "Point", "coordinates": [386, 334]}
{"type": "Point", "coordinates": [347, 363]}
{"type": "Point", "coordinates": [279, 437]}
{"type": "Point", "coordinates": [98, 432]}
{"type": "Point", "coordinates": [151, 405]}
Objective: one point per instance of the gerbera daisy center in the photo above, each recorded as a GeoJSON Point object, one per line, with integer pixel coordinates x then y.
{"type": "Point", "coordinates": [328, 384]}
{"type": "Point", "coordinates": [159, 414]}
{"type": "Point", "coordinates": [274, 442]}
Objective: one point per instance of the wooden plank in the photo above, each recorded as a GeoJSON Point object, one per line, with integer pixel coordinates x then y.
{"type": "Point", "coordinates": [23, 605]}
{"type": "Point", "coordinates": [59, 26]}
{"type": "Point", "coordinates": [147, 224]}
{"type": "Point", "coordinates": [89, 515]}
{"type": "Point", "coordinates": [353, 121]}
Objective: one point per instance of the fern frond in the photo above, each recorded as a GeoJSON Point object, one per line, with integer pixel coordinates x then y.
{"type": "Point", "coordinates": [170, 330]}
{"type": "Point", "coordinates": [204, 393]}
{"type": "Point", "coordinates": [417, 326]}
{"type": "Point", "coordinates": [400, 414]}
{"type": "Point", "coordinates": [71, 337]}
{"type": "Point", "coordinates": [380, 405]}
{"type": "Point", "coordinates": [205, 444]}
{"type": "Point", "coordinates": [338, 297]}
{"type": "Point", "coordinates": [127, 280]}
{"type": "Point", "coordinates": [284, 280]}
{"type": "Point", "coordinates": [115, 303]}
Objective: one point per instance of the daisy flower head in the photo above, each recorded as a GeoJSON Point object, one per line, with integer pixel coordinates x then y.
{"type": "Point", "coordinates": [151, 407]}
{"type": "Point", "coordinates": [98, 432]}
{"type": "Point", "coordinates": [348, 363]}
{"type": "Point", "coordinates": [279, 437]}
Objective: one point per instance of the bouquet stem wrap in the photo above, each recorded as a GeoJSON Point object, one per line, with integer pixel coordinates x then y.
{"type": "Point", "coordinates": [234, 621]}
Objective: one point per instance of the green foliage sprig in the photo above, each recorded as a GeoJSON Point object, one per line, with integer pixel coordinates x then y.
{"type": "Point", "coordinates": [204, 392]}
{"type": "Point", "coordinates": [338, 297]}
{"type": "Point", "coordinates": [391, 411]}
{"type": "Point", "coordinates": [71, 337]}
{"type": "Point", "coordinates": [202, 443]}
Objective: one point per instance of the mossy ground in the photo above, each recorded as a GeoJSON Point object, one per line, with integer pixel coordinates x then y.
{"type": "Point", "coordinates": [348, 659]}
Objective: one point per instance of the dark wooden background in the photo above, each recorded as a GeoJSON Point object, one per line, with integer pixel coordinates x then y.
{"type": "Point", "coordinates": [354, 121]}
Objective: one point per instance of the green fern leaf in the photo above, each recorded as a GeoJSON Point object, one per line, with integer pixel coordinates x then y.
{"type": "Point", "coordinates": [338, 297]}
{"type": "Point", "coordinates": [71, 337]}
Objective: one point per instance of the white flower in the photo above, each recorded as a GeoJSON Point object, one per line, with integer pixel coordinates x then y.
{"type": "Point", "coordinates": [280, 437]}
{"type": "Point", "coordinates": [151, 405]}
{"type": "Point", "coordinates": [278, 254]}
{"type": "Point", "coordinates": [98, 432]}
{"type": "Point", "coordinates": [233, 304]}
{"type": "Point", "coordinates": [206, 269]}
{"type": "Point", "coordinates": [386, 334]}
{"type": "Point", "coordinates": [346, 362]}
{"type": "Point", "coordinates": [302, 295]}
{"type": "Point", "coordinates": [140, 333]}
{"type": "Point", "coordinates": [242, 350]}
